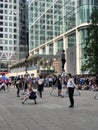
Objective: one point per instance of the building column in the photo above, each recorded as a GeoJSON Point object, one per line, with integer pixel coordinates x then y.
{"type": "Point", "coordinates": [77, 53]}
{"type": "Point", "coordinates": [40, 50]}
{"type": "Point", "coordinates": [54, 48]}
{"type": "Point", "coordinates": [65, 46]}
{"type": "Point", "coordinates": [47, 49]}
{"type": "Point", "coordinates": [77, 42]}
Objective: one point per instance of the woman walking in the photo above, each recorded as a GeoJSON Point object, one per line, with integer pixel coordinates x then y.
{"type": "Point", "coordinates": [70, 85]}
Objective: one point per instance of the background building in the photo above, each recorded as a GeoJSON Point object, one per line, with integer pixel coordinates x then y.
{"type": "Point", "coordinates": [13, 32]}
{"type": "Point", "coordinates": [60, 24]}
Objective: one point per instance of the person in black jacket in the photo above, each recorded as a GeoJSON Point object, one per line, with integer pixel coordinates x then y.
{"type": "Point", "coordinates": [63, 60]}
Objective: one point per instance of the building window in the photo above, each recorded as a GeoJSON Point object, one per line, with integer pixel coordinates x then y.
{"type": "Point", "coordinates": [1, 5]}
{"type": "Point", "coordinates": [15, 36]}
{"type": "Point", "coordinates": [10, 29]}
{"type": "Point", "coordinates": [10, 24]}
{"type": "Point", "coordinates": [6, 17]}
{"type": "Point", "coordinates": [6, 11]}
{"type": "Point", "coordinates": [14, 6]}
{"type": "Point", "coordinates": [10, 6]}
{"type": "Point", "coordinates": [10, 48]}
{"type": "Point", "coordinates": [14, 42]}
{"type": "Point", "coordinates": [10, 41]}
{"type": "Point", "coordinates": [15, 48]}
{"type": "Point", "coordinates": [1, 29]}
{"type": "Point", "coordinates": [6, 41]}
{"type": "Point", "coordinates": [10, 1]}
{"type": "Point", "coordinates": [14, 24]}
{"type": "Point", "coordinates": [1, 11]}
{"type": "Point", "coordinates": [6, 23]}
{"type": "Point", "coordinates": [1, 35]}
{"type": "Point", "coordinates": [10, 17]}
{"type": "Point", "coordinates": [6, 29]}
{"type": "Point", "coordinates": [6, 35]}
{"type": "Point", "coordinates": [1, 47]}
{"type": "Point", "coordinates": [1, 23]}
{"type": "Point", "coordinates": [6, 5]}
{"type": "Point", "coordinates": [6, 48]}
{"type": "Point", "coordinates": [15, 30]}
{"type": "Point", "coordinates": [14, 1]}
{"type": "Point", "coordinates": [1, 17]}
{"type": "Point", "coordinates": [10, 35]}
{"type": "Point", "coordinates": [15, 19]}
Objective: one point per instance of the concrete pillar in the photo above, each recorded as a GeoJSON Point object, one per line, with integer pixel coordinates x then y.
{"type": "Point", "coordinates": [77, 53]}
{"type": "Point", "coordinates": [65, 46]}
{"type": "Point", "coordinates": [54, 48]}
{"type": "Point", "coordinates": [40, 50]}
{"type": "Point", "coordinates": [47, 49]}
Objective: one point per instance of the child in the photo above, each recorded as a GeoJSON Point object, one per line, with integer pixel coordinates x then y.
{"type": "Point", "coordinates": [30, 95]}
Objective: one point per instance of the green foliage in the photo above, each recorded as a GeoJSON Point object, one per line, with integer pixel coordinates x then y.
{"type": "Point", "coordinates": [91, 46]}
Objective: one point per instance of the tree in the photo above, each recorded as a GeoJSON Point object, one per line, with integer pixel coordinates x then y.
{"type": "Point", "coordinates": [91, 45]}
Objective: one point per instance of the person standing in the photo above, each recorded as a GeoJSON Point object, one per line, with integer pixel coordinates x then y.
{"type": "Point", "coordinates": [40, 85]}
{"type": "Point", "coordinates": [63, 60]}
{"type": "Point", "coordinates": [59, 85]}
{"type": "Point", "coordinates": [71, 85]}
{"type": "Point", "coordinates": [54, 82]}
{"type": "Point", "coordinates": [18, 86]}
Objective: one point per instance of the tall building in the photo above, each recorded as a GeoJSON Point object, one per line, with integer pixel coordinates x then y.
{"type": "Point", "coordinates": [60, 24]}
{"type": "Point", "coordinates": [13, 32]}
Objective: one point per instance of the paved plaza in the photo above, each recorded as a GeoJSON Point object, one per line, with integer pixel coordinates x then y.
{"type": "Point", "coordinates": [51, 112]}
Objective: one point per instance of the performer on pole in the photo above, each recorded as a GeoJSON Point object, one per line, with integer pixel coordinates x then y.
{"type": "Point", "coordinates": [63, 59]}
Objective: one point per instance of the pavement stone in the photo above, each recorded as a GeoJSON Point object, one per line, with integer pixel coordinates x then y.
{"type": "Point", "coordinates": [51, 112]}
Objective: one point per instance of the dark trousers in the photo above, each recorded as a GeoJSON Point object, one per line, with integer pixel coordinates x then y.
{"type": "Point", "coordinates": [40, 89]}
{"type": "Point", "coordinates": [63, 63]}
{"type": "Point", "coordinates": [71, 93]}
{"type": "Point", "coordinates": [18, 89]}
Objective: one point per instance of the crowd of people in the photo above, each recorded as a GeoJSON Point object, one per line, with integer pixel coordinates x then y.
{"type": "Point", "coordinates": [35, 86]}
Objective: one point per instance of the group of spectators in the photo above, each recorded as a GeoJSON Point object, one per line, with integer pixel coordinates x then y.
{"type": "Point", "coordinates": [55, 81]}
{"type": "Point", "coordinates": [86, 82]}
{"type": "Point", "coordinates": [30, 84]}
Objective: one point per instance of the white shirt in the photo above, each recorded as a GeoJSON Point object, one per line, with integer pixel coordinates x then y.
{"type": "Point", "coordinates": [70, 84]}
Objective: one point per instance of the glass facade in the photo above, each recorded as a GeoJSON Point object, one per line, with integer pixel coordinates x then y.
{"type": "Point", "coordinates": [72, 40]}
{"type": "Point", "coordinates": [60, 45]}
{"type": "Point", "coordinates": [61, 24]}
{"type": "Point", "coordinates": [44, 21]}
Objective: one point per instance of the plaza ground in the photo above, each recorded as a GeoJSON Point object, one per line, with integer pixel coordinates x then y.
{"type": "Point", "coordinates": [51, 112]}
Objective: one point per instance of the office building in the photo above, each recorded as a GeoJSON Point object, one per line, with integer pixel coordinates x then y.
{"type": "Point", "coordinates": [13, 32]}
{"type": "Point", "coordinates": [60, 24]}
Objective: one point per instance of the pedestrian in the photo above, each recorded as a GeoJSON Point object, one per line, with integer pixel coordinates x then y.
{"type": "Point", "coordinates": [59, 85]}
{"type": "Point", "coordinates": [54, 82]}
{"type": "Point", "coordinates": [40, 85]}
{"type": "Point", "coordinates": [18, 86]}
{"type": "Point", "coordinates": [71, 85]}
{"type": "Point", "coordinates": [63, 60]}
